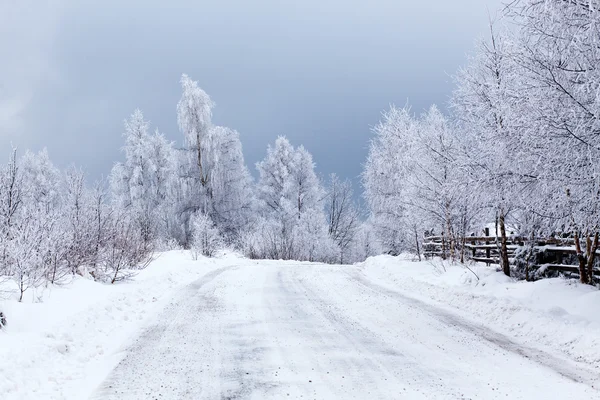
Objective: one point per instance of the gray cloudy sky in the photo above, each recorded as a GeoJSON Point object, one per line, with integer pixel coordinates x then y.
{"type": "Point", "coordinates": [317, 71]}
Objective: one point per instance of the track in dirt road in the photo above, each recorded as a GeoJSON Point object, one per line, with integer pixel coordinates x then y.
{"type": "Point", "coordinates": [269, 331]}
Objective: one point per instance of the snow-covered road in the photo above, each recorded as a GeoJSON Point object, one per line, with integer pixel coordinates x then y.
{"type": "Point", "coordinates": [274, 331]}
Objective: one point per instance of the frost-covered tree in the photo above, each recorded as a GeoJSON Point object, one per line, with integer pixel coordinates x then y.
{"type": "Point", "coordinates": [11, 202]}
{"type": "Point", "coordinates": [194, 114]}
{"type": "Point", "coordinates": [32, 239]}
{"type": "Point", "coordinates": [22, 251]}
{"type": "Point", "coordinates": [435, 180]}
{"type": "Point", "coordinates": [206, 239]}
{"type": "Point", "coordinates": [194, 191]}
{"type": "Point", "coordinates": [384, 177]}
{"type": "Point", "coordinates": [487, 103]}
{"type": "Point", "coordinates": [342, 215]}
{"type": "Point", "coordinates": [101, 216]}
{"type": "Point", "coordinates": [232, 199]}
{"type": "Point", "coordinates": [140, 185]}
{"type": "Point", "coordinates": [291, 199]}
{"type": "Point", "coordinates": [365, 243]}
{"type": "Point", "coordinates": [123, 249]}
{"type": "Point", "coordinates": [44, 203]}
{"type": "Point", "coordinates": [78, 218]}
{"type": "Point", "coordinates": [413, 181]}
{"type": "Point", "coordinates": [558, 55]}
{"type": "Point", "coordinates": [162, 178]}
{"type": "Point", "coordinates": [213, 178]}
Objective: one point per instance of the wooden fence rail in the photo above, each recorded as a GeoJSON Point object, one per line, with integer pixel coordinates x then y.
{"type": "Point", "coordinates": [486, 249]}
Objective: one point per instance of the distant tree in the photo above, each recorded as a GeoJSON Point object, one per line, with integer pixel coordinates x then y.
{"type": "Point", "coordinates": [365, 243]}
{"type": "Point", "coordinates": [213, 178]}
{"type": "Point", "coordinates": [123, 249]}
{"type": "Point", "coordinates": [232, 187]}
{"type": "Point", "coordinates": [140, 184]}
{"type": "Point", "coordinates": [487, 104]}
{"type": "Point", "coordinates": [342, 214]}
{"type": "Point", "coordinates": [194, 114]}
{"type": "Point", "coordinates": [205, 236]}
{"type": "Point", "coordinates": [385, 178]}
{"type": "Point", "coordinates": [291, 199]}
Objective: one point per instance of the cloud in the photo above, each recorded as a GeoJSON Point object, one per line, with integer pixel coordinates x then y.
{"type": "Point", "coordinates": [27, 31]}
{"type": "Point", "coordinates": [319, 72]}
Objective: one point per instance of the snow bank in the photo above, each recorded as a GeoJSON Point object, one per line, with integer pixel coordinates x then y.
{"type": "Point", "coordinates": [551, 314]}
{"type": "Point", "coordinates": [62, 342]}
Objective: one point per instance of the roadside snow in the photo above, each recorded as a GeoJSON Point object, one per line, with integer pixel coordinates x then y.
{"type": "Point", "coordinates": [551, 314]}
{"type": "Point", "coordinates": [64, 344]}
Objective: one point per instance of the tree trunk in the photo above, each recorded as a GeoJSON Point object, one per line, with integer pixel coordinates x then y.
{"type": "Point", "coordinates": [114, 279]}
{"type": "Point", "coordinates": [417, 243]}
{"type": "Point", "coordinates": [21, 288]}
{"type": "Point", "coordinates": [529, 256]}
{"type": "Point", "coordinates": [199, 160]}
{"type": "Point", "coordinates": [449, 230]}
{"type": "Point", "coordinates": [462, 249]}
{"type": "Point", "coordinates": [503, 248]}
{"type": "Point", "coordinates": [582, 261]}
{"type": "Point", "coordinates": [443, 245]}
{"type": "Point", "coordinates": [591, 257]}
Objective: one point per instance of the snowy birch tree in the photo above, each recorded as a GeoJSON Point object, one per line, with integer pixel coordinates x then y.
{"type": "Point", "coordinates": [384, 177]}
{"type": "Point", "coordinates": [487, 103]}
{"type": "Point", "coordinates": [558, 53]}
{"type": "Point", "coordinates": [342, 215]}
{"type": "Point", "coordinates": [291, 201]}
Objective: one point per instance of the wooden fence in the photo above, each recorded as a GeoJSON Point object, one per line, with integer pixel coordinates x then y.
{"type": "Point", "coordinates": [486, 249]}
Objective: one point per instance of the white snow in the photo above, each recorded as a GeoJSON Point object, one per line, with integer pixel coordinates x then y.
{"type": "Point", "coordinates": [552, 314]}
{"type": "Point", "coordinates": [268, 329]}
{"type": "Point", "coordinates": [62, 345]}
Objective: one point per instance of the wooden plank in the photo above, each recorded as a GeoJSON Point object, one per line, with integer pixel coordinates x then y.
{"type": "Point", "coordinates": [490, 246]}
{"type": "Point", "coordinates": [490, 260]}
{"type": "Point", "coordinates": [468, 238]}
{"type": "Point", "coordinates": [512, 239]}
{"type": "Point", "coordinates": [566, 268]}
{"type": "Point", "coordinates": [486, 260]}
{"type": "Point", "coordinates": [565, 249]}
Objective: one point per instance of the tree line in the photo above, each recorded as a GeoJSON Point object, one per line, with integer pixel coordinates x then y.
{"type": "Point", "coordinates": [199, 196]}
{"type": "Point", "coordinates": [520, 146]}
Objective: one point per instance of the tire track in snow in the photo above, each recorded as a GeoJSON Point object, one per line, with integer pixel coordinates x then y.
{"type": "Point", "coordinates": [381, 361]}
{"type": "Point", "coordinates": [270, 331]}
{"type": "Point", "coordinates": [565, 368]}
{"type": "Point", "coordinates": [115, 386]}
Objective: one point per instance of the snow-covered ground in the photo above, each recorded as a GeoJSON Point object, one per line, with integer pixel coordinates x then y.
{"type": "Point", "coordinates": [236, 328]}
{"type": "Point", "coordinates": [62, 344]}
{"type": "Point", "coordinates": [557, 315]}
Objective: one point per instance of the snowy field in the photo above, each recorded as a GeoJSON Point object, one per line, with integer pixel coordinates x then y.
{"type": "Point", "coordinates": [232, 328]}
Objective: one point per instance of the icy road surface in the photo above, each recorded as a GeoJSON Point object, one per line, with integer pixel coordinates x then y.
{"type": "Point", "coordinates": [322, 332]}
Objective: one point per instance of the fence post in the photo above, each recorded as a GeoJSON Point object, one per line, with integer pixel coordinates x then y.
{"type": "Point", "coordinates": [488, 254]}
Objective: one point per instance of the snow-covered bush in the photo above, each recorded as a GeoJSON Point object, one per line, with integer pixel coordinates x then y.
{"type": "Point", "coordinates": [291, 204]}
{"type": "Point", "coordinates": [205, 236]}
{"type": "Point", "coordinates": [252, 242]}
{"type": "Point", "coordinates": [364, 244]}
{"type": "Point", "coordinates": [124, 250]}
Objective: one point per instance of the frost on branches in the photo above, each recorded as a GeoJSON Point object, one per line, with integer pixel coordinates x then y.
{"type": "Point", "coordinates": [520, 148]}
{"type": "Point", "coordinates": [292, 221]}
{"type": "Point", "coordinates": [52, 226]}
{"type": "Point", "coordinates": [198, 195]}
